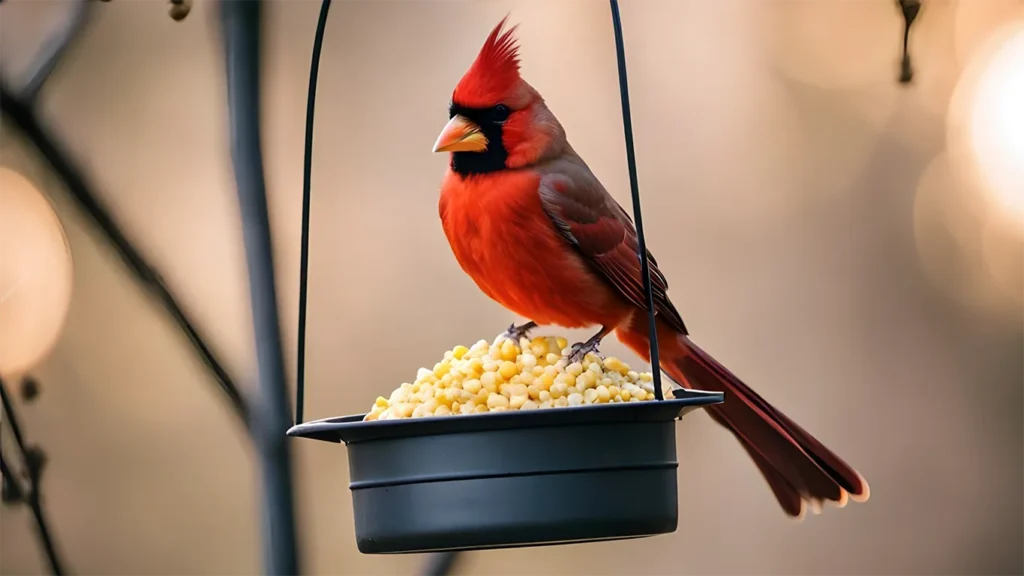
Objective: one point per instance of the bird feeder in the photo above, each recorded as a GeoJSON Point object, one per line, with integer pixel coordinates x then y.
{"type": "Point", "coordinates": [514, 478]}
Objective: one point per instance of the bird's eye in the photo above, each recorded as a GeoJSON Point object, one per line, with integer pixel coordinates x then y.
{"type": "Point", "coordinates": [500, 113]}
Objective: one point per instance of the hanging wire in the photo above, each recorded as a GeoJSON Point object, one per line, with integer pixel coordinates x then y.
{"type": "Point", "coordinates": [627, 126]}
{"type": "Point", "coordinates": [307, 170]}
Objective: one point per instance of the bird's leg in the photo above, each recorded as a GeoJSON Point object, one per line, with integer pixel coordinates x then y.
{"type": "Point", "coordinates": [581, 349]}
{"type": "Point", "coordinates": [514, 333]}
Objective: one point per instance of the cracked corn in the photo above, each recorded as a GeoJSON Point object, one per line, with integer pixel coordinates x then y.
{"type": "Point", "coordinates": [529, 375]}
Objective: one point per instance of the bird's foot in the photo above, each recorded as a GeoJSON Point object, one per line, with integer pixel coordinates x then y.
{"type": "Point", "coordinates": [580, 350]}
{"type": "Point", "coordinates": [514, 333]}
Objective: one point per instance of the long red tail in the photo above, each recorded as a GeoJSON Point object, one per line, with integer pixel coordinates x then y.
{"type": "Point", "coordinates": [798, 468]}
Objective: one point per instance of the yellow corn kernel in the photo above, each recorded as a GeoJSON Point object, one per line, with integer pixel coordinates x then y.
{"type": "Point", "coordinates": [518, 390]}
{"type": "Point", "coordinates": [489, 381]}
{"type": "Point", "coordinates": [451, 395]}
{"type": "Point", "coordinates": [482, 396]}
{"type": "Point", "coordinates": [496, 401]}
{"type": "Point", "coordinates": [613, 364]}
{"type": "Point", "coordinates": [509, 350]}
{"type": "Point", "coordinates": [441, 368]}
{"type": "Point", "coordinates": [472, 386]}
{"type": "Point", "coordinates": [509, 375]}
{"type": "Point", "coordinates": [558, 389]}
{"type": "Point", "coordinates": [508, 369]}
{"type": "Point", "coordinates": [545, 381]}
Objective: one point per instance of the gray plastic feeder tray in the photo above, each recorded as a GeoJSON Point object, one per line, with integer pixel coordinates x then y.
{"type": "Point", "coordinates": [509, 479]}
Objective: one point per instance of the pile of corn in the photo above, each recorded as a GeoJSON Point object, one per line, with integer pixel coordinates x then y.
{"type": "Point", "coordinates": [505, 375]}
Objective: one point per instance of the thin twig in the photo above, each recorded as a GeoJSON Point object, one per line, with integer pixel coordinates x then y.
{"type": "Point", "coordinates": [33, 493]}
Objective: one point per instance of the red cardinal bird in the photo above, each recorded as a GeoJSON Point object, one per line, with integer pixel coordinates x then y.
{"type": "Point", "coordinates": [534, 228]}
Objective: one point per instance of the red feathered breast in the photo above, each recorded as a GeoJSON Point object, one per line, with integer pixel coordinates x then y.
{"type": "Point", "coordinates": [502, 238]}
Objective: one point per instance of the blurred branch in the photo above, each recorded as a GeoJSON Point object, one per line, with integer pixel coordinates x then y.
{"type": "Point", "coordinates": [241, 27]}
{"type": "Point", "coordinates": [34, 461]}
{"type": "Point", "coordinates": [441, 564]}
{"type": "Point", "coordinates": [910, 9]}
{"type": "Point", "coordinates": [54, 48]}
{"type": "Point", "coordinates": [23, 116]}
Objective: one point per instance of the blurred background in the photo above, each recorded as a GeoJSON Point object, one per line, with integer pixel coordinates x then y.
{"type": "Point", "coordinates": [850, 246]}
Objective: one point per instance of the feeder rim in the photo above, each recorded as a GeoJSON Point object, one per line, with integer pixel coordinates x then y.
{"type": "Point", "coordinates": [352, 428]}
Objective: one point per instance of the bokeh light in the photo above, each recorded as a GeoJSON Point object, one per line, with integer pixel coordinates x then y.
{"type": "Point", "coordinates": [35, 274]}
{"type": "Point", "coordinates": [976, 20]}
{"type": "Point", "coordinates": [979, 179]}
{"type": "Point", "coordinates": [997, 125]}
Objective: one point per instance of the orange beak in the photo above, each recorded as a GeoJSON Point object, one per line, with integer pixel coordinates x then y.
{"type": "Point", "coordinates": [461, 135]}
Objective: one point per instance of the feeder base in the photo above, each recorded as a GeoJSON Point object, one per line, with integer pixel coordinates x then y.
{"type": "Point", "coordinates": [534, 510]}
{"type": "Point", "coordinates": [512, 479]}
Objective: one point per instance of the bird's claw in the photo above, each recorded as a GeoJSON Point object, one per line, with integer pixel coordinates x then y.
{"type": "Point", "coordinates": [580, 350]}
{"type": "Point", "coordinates": [514, 333]}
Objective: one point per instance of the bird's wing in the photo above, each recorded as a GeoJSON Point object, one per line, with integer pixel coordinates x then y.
{"type": "Point", "coordinates": [602, 232]}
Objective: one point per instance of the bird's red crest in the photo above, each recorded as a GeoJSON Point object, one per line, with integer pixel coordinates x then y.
{"type": "Point", "coordinates": [494, 74]}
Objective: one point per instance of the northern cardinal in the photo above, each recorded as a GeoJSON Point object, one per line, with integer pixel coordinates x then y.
{"type": "Point", "coordinates": [533, 227]}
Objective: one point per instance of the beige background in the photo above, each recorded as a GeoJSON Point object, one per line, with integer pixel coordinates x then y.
{"type": "Point", "coordinates": [779, 162]}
